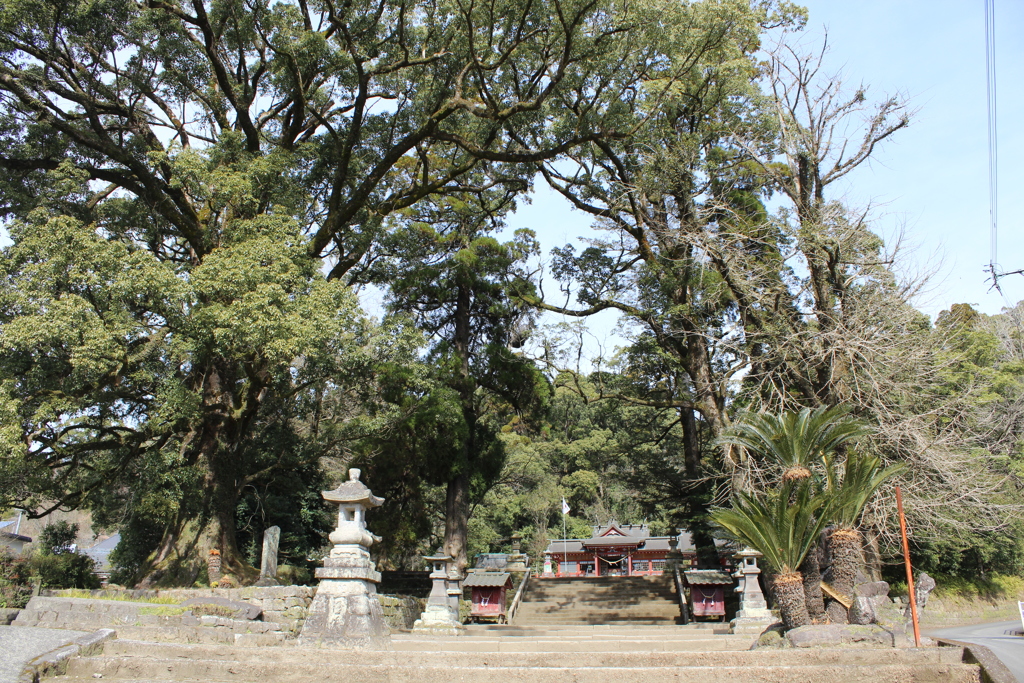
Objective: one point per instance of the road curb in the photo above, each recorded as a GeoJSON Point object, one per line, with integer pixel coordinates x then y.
{"type": "Point", "coordinates": [992, 669]}
{"type": "Point", "coordinates": [55, 662]}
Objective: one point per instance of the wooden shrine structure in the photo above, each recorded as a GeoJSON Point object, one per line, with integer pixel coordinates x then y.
{"type": "Point", "coordinates": [619, 550]}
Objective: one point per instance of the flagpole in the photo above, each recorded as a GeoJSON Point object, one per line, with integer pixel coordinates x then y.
{"type": "Point", "coordinates": [565, 540]}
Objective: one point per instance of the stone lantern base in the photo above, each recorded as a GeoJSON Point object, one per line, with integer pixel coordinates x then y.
{"type": "Point", "coordinates": [439, 620]}
{"type": "Point", "coordinates": [345, 611]}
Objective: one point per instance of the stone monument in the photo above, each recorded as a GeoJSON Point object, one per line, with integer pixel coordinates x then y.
{"type": "Point", "coordinates": [441, 617]}
{"type": "Point", "coordinates": [345, 610]}
{"type": "Point", "coordinates": [268, 561]}
{"type": "Point", "coordinates": [753, 615]}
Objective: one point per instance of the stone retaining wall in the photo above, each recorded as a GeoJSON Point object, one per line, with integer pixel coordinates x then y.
{"type": "Point", "coordinates": [285, 606]}
{"type": "Point", "coordinates": [401, 611]}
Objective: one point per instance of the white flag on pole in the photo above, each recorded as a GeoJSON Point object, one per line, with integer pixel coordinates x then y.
{"type": "Point", "coordinates": [565, 507]}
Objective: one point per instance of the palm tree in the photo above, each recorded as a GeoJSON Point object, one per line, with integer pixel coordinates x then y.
{"type": "Point", "coordinates": [862, 476]}
{"type": "Point", "coordinates": [783, 526]}
{"type": "Point", "coordinates": [795, 440]}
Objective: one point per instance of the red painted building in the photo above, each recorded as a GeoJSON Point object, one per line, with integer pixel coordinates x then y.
{"type": "Point", "coordinates": [617, 550]}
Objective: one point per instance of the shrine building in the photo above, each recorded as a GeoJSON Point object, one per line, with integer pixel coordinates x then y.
{"type": "Point", "coordinates": [619, 550]}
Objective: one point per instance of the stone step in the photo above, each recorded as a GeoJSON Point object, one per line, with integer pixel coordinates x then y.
{"type": "Point", "coordinates": [552, 657]}
{"type": "Point", "coordinates": [215, 671]}
{"type": "Point", "coordinates": [563, 631]}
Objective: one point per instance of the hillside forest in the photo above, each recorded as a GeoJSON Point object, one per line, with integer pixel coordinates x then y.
{"type": "Point", "coordinates": [202, 195]}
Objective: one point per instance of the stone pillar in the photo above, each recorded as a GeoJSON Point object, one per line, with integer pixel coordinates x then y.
{"type": "Point", "coordinates": [753, 615]}
{"type": "Point", "coordinates": [441, 617]}
{"type": "Point", "coordinates": [345, 610]}
{"type": "Point", "coordinates": [268, 561]}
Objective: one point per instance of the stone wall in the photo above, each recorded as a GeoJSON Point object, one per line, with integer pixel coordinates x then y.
{"type": "Point", "coordinates": [401, 611]}
{"type": "Point", "coordinates": [284, 605]}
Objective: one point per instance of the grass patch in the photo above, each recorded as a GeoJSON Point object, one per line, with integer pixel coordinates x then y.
{"type": "Point", "coordinates": [213, 611]}
{"type": "Point", "coordinates": [994, 588]}
{"type": "Point", "coordinates": [77, 593]}
{"type": "Point", "coordinates": [163, 611]}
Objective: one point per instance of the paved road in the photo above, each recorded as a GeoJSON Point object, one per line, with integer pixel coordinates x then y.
{"type": "Point", "coordinates": [19, 644]}
{"type": "Point", "coordinates": [1009, 649]}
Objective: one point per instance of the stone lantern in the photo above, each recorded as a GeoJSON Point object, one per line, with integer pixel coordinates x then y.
{"type": "Point", "coordinates": [441, 616]}
{"type": "Point", "coordinates": [516, 560]}
{"type": "Point", "coordinates": [345, 610]}
{"type": "Point", "coordinates": [674, 558]}
{"type": "Point", "coordinates": [753, 615]}
{"type": "Point", "coordinates": [547, 563]}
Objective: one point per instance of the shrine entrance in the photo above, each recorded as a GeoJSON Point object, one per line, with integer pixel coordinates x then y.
{"type": "Point", "coordinates": [614, 564]}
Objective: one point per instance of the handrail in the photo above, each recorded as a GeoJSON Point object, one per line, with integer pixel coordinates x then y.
{"type": "Point", "coordinates": [684, 609]}
{"type": "Point", "coordinates": [519, 595]}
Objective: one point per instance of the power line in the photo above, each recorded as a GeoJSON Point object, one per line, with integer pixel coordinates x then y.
{"type": "Point", "coordinates": [993, 149]}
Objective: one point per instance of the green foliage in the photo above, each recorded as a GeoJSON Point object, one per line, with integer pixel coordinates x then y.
{"type": "Point", "coordinates": [862, 477]}
{"type": "Point", "coordinates": [782, 525]}
{"type": "Point", "coordinates": [15, 580]}
{"type": "Point", "coordinates": [57, 538]}
{"type": "Point", "coordinates": [797, 440]}
{"type": "Point", "coordinates": [66, 570]}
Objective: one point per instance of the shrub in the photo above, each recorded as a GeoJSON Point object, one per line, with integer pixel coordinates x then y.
{"type": "Point", "coordinates": [66, 570]}
{"type": "Point", "coordinates": [15, 580]}
{"type": "Point", "coordinates": [57, 538]}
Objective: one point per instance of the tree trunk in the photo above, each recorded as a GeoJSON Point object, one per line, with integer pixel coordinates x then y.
{"type": "Point", "coordinates": [845, 549]}
{"type": "Point", "coordinates": [456, 521]}
{"type": "Point", "coordinates": [205, 519]}
{"type": "Point", "coordinates": [872, 556]}
{"type": "Point", "coordinates": [788, 591]}
{"type": "Point", "coordinates": [199, 527]}
{"type": "Point", "coordinates": [811, 570]}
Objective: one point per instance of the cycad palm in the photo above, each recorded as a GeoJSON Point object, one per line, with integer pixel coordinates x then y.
{"type": "Point", "coordinates": [783, 526]}
{"type": "Point", "coordinates": [795, 440]}
{"type": "Point", "coordinates": [862, 477]}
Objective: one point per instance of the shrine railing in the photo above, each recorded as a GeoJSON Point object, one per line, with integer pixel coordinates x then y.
{"type": "Point", "coordinates": [519, 595]}
{"type": "Point", "coordinates": [684, 607]}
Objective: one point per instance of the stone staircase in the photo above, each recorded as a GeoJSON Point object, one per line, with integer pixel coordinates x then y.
{"type": "Point", "coordinates": [596, 654]}
{"type": "Point", "coordinates": [603, 600]}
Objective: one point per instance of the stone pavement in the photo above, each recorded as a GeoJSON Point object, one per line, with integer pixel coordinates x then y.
{"type": "Point", "coordinates": [20, 644]}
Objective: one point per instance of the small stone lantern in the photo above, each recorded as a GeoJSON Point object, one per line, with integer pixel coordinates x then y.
{"type": "Point", "coordinates": [441, 616]}
{"type": "Point", "coordinates": [345, 610]}
{"type": "Point", "coordinates": [516, 560]}
{"type": "Point", "coordinates": [753, 615]}
{"type": "Point", "coordinates": [547, 564]}
{"type": "Point", "coordinates": [674, 558]}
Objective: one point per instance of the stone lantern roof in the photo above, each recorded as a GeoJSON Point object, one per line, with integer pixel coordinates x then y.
{"type": "Point", "coordinates": [353, 491]}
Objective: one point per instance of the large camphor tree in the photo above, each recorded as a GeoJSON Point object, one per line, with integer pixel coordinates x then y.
{"type": "Point", "coordinates": [178, 175]}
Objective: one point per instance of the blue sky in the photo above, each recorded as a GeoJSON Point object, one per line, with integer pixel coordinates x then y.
{"type": "Point", "coordinates": [930, 182]}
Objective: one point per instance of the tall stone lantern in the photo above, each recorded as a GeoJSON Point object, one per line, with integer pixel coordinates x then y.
{"type": "Point", "coordinates": [753, 615]}
{"type": "Point", "coordinates": [345, 610]}
{"type": "Point", "coordinates": [441, 617]}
